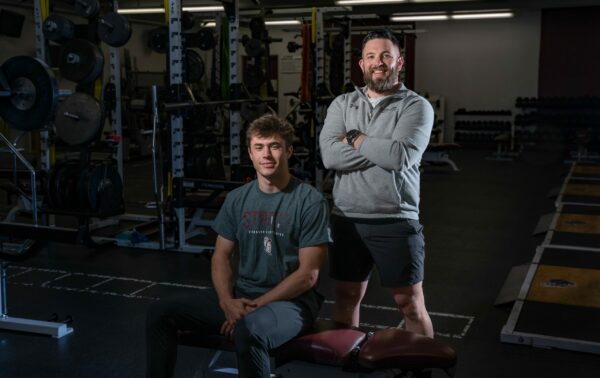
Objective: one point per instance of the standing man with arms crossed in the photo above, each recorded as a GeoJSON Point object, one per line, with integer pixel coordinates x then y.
{"type": "Point", "coordinates": [277, 225]}
{"type": "Point", "coordinates": [374, 138]}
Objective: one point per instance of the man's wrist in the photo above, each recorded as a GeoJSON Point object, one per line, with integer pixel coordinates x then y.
{"type": "Point", "coordinates": [351, 136]}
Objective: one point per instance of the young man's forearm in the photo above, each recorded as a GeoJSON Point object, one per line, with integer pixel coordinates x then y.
{"type": "Point", "coordinates": [299, 281]}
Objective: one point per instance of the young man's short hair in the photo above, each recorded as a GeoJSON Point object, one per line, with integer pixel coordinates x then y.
{"type": "Point", "coordinates": [268, 125]}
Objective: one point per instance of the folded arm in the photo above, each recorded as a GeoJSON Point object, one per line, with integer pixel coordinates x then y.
{"type": "Point", "coordinates": [414, 130]}
{"type": "Point", "coordinates": [337, 154]}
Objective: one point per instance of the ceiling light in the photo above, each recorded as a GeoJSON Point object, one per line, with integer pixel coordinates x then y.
{"type": "Point", "coordinates": [367, 2]}
{"type": "Point", "coordinates": [437, 1]}
{"type": "Point", "coordinates": [213, 8]}
{"type": "Point", "coordinates": [141, 10]}
{"type": "Point", "coordinates": [473, 16]}
{"type": "Point", "coordinates": [206, 9]}
{"type": "Point", "coordinates": [282, 22]}
{"type": "Point", "coordinates": [419, 17]}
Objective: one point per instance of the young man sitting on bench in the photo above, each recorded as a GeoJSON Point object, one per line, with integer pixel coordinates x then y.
{"type": "Point", "coordinates": [275, 227]}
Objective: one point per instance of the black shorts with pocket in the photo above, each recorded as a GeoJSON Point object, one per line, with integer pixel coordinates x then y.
{"type": "Point", "coordinates": [395, 245]}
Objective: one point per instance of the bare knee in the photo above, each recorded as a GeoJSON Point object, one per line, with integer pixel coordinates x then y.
{"type": "Point", "coordinates": [349, 294]}
{"type": "Point", "coordinates": [410, 309]}
{"type": "Point", "coordinates": [412, 305]}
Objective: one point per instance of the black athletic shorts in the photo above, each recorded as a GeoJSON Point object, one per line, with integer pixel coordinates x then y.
{"type": "Point", "coordinates": [395, 246]}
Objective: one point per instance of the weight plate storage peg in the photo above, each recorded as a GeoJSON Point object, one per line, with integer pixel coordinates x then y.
{"type": "Point", "coordinates": [114, 29]}
{"type": "Point", "coordinates": [81, 61]}
{"type": "Point", "coordinates": [79, 119]}
{"type": "Point", "coordinates": [31, 98]}
{"type": "Point", "coordinates": [87, 8]}
{"type": "Point", "coordinates": [58, 29]}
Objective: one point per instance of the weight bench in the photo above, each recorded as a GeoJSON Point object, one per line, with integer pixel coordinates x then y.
{"type": "Point", "coordinates": [354, 351]}
{"type": "Point", "coordinates": [439, 153]}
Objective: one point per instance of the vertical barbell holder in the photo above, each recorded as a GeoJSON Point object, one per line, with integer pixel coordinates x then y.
{"type": "Point", "coordinates": [157, 194]}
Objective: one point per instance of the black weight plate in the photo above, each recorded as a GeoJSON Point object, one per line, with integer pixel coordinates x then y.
{"type": "Point", "coordinates": [54, 193]}
{"type": "Point", "coordinates": [110, 200]}
{"type": "Point", "coordinates": [70, 198]}
{"type": "Point", "coordinates": [159, 40]}
{"type": "Point", "coordinates": [194, 66]}
{"type": "Point", "coordinates": [254, 47]}
{"type": "Point", "coordinates": [114, 29]}
{"type": "Point", "coordinates": [257, 26]}
{"type": "Point", "coordinates": [206, 39]}
{"type": "Point", "coordinates": [187, 20]}
{"type": "Point", "coordinates": [292, 46]}
{"type": "Point", "coordinates": [64, 179]}
{"type": "Point", "coordinates": [87, 8]}
{"type": "Point", "coordinates": [254, 77]}
{"type": "Point", "coordinates": [35, 93]}
{"type": "Point", "coordinates": [81, 61]}
{"type": "Point", "coordinates": [58, 28]}
{"type": "Point", "coordinates": [49, 188]}
{"type": "Point", "coordinates": [105, 188]}
{"type": "Point", "coordinates": [82, 188]}
{"type": "Point", "coordinates": [79, 119]}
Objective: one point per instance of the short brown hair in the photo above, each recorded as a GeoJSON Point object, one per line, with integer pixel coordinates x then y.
{"type": "Point", "coordinates": [268, 125]}
{"type": "Point", "coordinates": [381, 34]}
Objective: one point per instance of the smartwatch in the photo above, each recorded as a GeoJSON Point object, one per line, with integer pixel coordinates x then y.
{"type": "Point", "coordinates": [352, 135]}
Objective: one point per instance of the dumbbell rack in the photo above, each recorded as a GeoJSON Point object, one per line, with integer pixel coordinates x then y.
{"type": "Point", "coordinates": [486, 129]}
{"type": "Point", "coordinates": [563, 123]}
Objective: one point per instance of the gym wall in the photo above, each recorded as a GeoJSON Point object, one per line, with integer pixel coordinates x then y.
{"type": "Point", "coordinates": [478, 64]}
{"type": "Point", "coordinates": [569, 52]}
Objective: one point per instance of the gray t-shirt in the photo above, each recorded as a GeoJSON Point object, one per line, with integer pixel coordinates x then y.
{"type": "Point", "coordinates": [269, 229]}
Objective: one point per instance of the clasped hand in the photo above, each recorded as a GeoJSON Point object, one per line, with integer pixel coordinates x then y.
{"type": "Point", "coordinates": [235, 309]}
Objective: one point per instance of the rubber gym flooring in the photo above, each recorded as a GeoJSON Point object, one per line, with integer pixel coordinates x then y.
{"type": "Point", "coordinates": [478, 224]}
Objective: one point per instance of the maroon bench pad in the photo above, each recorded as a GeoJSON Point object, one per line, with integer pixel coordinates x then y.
{"type": "Point", "coordinates": [396, 348]}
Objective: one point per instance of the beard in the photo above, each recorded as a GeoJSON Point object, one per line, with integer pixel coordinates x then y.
{"type": "Point", "coordinates": [382, 84]}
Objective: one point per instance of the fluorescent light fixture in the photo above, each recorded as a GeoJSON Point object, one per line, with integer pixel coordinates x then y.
{"type": "Point", "coordinates": [437, 1]}
{"type": "Point", "coordinates": [460, 15]}
{"type": "Point", "coordinates": [473, 16]}
{"type": "Point", "coordinates": [212, 8]}
{"type": "Point", "coordinates": [141, 10]}
{"type": "Point", "coordinates": [357, 16]}
{"type": "Point", "coordinates": [419, 17]}
{"type": "Point", "coordinates": [282, 22]}
{"type": "Point", "coordinates": [367, 2]}
{"type": "Point", "coordinates": [205, 9]}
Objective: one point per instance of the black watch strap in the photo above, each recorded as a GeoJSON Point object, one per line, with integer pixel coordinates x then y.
{"type": "Point", "coordinates": [351, 136]}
